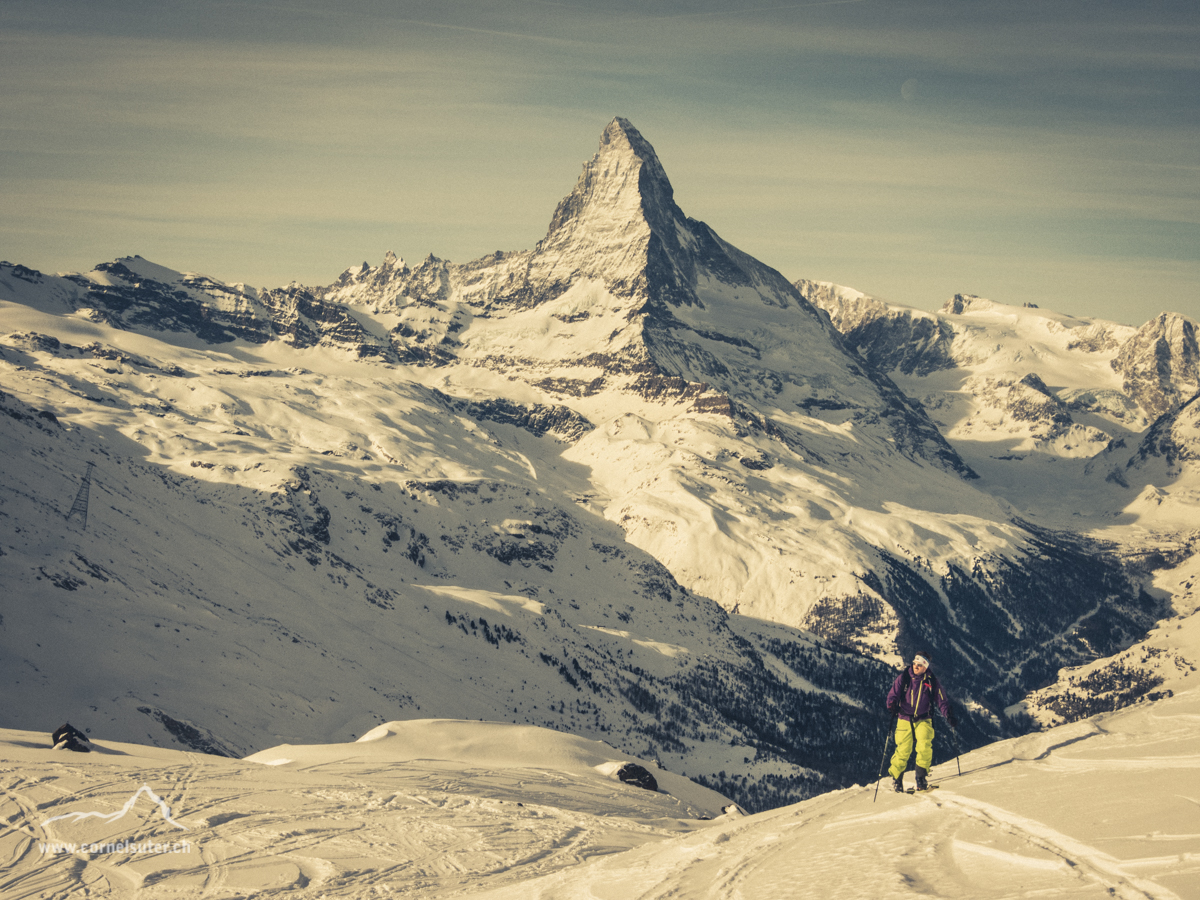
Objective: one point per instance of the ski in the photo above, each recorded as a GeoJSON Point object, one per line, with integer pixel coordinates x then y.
{"type": "Point", "coordinates": [932, 787]}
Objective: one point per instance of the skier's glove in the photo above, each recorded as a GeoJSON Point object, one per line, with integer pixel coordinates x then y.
{"type": "Point", "coordinates": [953, 720]}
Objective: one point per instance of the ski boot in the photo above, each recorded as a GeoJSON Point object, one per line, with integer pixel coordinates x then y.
{"type": "Point", "coordinates": [922, 784]}
{"type": "Point", "coordinates": [898, 783]}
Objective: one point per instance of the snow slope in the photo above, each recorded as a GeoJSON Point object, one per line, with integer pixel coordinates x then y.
{"type": "Point", "coordinates": [1100, 808]}
{"type": "Point", "coordinates": [285, 554]}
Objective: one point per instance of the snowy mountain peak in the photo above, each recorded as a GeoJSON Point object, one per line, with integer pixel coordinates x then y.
{"type": "Point", "coordinates": [623, 187]}
{"type": "Point", "coordinates": [621, 132]}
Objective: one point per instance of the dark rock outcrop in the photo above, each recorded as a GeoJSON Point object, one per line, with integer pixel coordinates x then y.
{"type": "Point", "coordinates": [1160, 365]}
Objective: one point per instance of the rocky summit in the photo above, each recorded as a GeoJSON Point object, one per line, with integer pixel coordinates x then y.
{"type": "Point", "coordinates": [630, 483]}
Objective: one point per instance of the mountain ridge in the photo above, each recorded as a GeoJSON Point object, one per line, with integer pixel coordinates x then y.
{"type": "Point", "coordinates": [669, 484]}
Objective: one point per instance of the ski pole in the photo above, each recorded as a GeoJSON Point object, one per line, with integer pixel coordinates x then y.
{"type": "Point", "coordinates": [886, 740]}
{"type": "Point", "coordinates": [954, 731]}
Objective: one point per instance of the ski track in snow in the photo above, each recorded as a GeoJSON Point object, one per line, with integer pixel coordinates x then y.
{"type": "Point", "coordinates": [1103, 808]}
{"type": "Point", "coordinates": [1094, 863]}
{"type": "Point", "coordinates": [343, 827]}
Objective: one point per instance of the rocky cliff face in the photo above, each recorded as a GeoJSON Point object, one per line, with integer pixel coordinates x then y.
{"type": "Point", "coordinates": [135, 294]}
{"type": "Point", "coordinates": [1160, 365]}
{"type": "Point", "coordinates": [1173, 441]}
{"type": "Point", "coordinates": [892, 339]}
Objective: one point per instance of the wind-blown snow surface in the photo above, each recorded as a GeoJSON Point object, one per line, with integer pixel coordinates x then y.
{"type": "Point", "coordinates": [1102, 808]}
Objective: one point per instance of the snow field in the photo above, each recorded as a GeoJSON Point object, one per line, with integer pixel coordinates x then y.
{"type": "Point", "coordinates": [1101, 808]}
{"type": "Point", "coordinates": [1104, 808]}
{"type": "Point", "coordinates": [427, 807]}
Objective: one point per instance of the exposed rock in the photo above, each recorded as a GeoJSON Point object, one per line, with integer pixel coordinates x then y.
{"type": "Point", "coordinates": [1160, 364]}
{"type": "Point", "coordinates": [192, 737]}
{"type": "Point", "coordinates": [539, 419]}
{"type": "Point", "coordinates": [638, 776]}
{"type": "Point", "coordinates": [1174, 438]}
{"type": "Point", "coordinates": [131, 293]}
{"type": "Point", "coordinates": [964, 303]}
{"type": "Point", "coordinates": [890, 339]}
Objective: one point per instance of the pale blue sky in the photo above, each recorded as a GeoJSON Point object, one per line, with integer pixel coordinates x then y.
{"type": "Point", "coordinates": [1044, 152]}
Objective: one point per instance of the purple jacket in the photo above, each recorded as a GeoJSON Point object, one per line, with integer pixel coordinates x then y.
{"type": "Point", "coordinates": [913, 698]}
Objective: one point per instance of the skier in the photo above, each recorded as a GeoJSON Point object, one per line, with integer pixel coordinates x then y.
{"type": "Point", "coordinates": [911, 699]}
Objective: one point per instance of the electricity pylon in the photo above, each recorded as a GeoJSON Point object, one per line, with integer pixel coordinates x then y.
{"type": "Point", "coordinates": [80, 506]}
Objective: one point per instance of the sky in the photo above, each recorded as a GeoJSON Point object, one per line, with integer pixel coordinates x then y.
{"type": "Point", "coordinates": [1024, 151]}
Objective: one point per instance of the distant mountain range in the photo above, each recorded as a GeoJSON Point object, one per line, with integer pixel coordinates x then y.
{"type": "Point", "coordinates": [631, 484]}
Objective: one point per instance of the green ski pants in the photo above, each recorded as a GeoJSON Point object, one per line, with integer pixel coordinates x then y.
{"type": "Point", "coordinates": [922, 730]}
